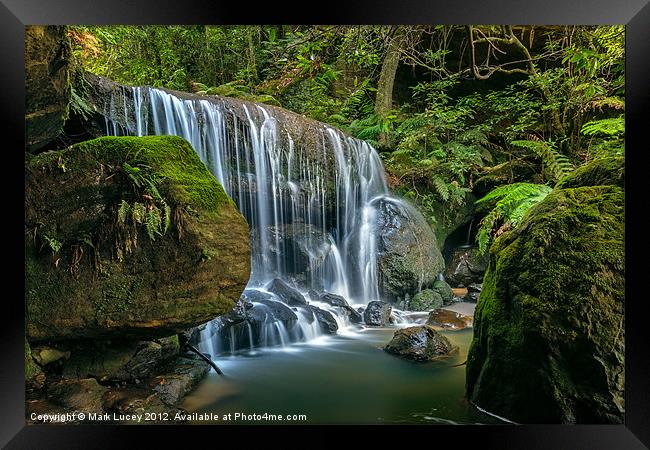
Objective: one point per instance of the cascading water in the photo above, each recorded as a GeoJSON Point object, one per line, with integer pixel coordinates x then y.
{"type": "Point", "coordinates": [310, 204]}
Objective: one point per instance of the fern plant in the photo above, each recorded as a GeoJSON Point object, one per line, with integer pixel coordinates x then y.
{"type": "Point", "coordinates": [507, 206]}
{"type": "Point", "coordinates": [154, 213]}
{"type": "Point", "coordinates": [556, 163]}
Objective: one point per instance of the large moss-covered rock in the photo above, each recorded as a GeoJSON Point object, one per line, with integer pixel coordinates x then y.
{"type": "Point", "coordinates": [549, 335]}
{"type": "Point", "coordinates": [408, 256]}
{"type": "Point", "coordinates": [90, 276]}
{"type": "Point", "coordinates": [47, 70]}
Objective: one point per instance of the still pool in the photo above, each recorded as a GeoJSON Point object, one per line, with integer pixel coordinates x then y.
{"type": "Point", "coordinates": [342, 379]}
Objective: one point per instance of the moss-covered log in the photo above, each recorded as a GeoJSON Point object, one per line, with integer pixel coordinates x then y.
{"type": "Point", "coordinates": [90, 274]}
{"type": "Point", "coordinates": [549, 336]}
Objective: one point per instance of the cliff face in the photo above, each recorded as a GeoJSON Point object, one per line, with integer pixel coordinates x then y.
{"type": "Point", "coordinates": [549, 340]}
{"type": "Point", "coordinates": [129, 238]}
{"type": "Point", "coordinates": [47, 68]}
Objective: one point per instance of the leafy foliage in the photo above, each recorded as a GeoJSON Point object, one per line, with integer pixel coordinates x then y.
{"type": "Point", "coordinates": [507, 206]}
{"type": "Point", "coordinates": [154, 213]}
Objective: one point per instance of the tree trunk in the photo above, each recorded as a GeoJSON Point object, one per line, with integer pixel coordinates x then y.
{"type": "Point", "coordinates": [384, 98]}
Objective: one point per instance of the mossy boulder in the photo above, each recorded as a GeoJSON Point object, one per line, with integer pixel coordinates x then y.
{"type": "Point", "coordinates": [408, 257]}
{"type": "Point", "coordinates": [47, 70]}
{"type": "Point", "coordinates": [426, 300]}
{"type": "Point", "coordinates": [549, 337]}
{"type": "Point", "coordinates": [442, 288]}
{"type": "Point", "coordinates": [89, 275]}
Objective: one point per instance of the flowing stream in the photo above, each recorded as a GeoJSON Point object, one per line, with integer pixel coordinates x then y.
{"type": "Point", "coordinates": [310, 199]}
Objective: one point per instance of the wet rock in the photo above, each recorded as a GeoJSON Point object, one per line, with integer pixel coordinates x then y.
{"type": "Point", "coordinates": [302, 248]}
{"type": "Point", "coordinates": [325, 319]}
{"type": "Point", "coordinates": [408, 255]}
{"type": "Point", "coordinates": [425, 301]}
{"type": "Point", "coordinates": [353, 315]}
{"type": "Point", "coordinates": [332, 299]}
{"type": "Point", "coordinates": [448, 319]}
{"type": "Point", "coordinates": [47, 69]}
{"type": "Point", "coordinates": [78, 395]}
{"type": "Point", "coordinates": [120, 361]}
{"type": "Point", "coordinates": [45, 355]}
{"type": "Point", "coordinates": [445, 291]}
{"type": "Point", "coordinates": [377, 313]}
{"type": "Point", "coordinates": [188, 371]}
{"type": "Point", "coordinates": [466, 266]}
{"type": "Point", "coordinates": [420, 343]}
{"type": "Point", "coordinates": [277, 310]}
{"type": "Point", "coordinates": [286, 293]}
{"type": "Point", "coordinates": [474, 292]}
{"type": "Point", "coordinates": [313, 295]}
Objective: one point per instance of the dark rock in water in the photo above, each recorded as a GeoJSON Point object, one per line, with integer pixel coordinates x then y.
{"type": "Point", "coordinates": [302, 247]}
{"type": "Point", "coordinates": [353, 315]}
{"type": "Point", "coordinates": [550, 318]}
{"type": "Point", "coordinates": [442, 288]}
{"type": "Point", "coordinates": [474, 292]}
{"type": "Point", "coordinates": [420, 343]}
{"type": "Point", "coordinates": [333, 299]}
{"type": "Point", "coordinates": [187, 372]}
{"type": "Point", "coordinates": [426, 300]}
{"type": "Point", "coordinates": [448, 319]}
{"type": "Point", "coordinates": [152, 289]}
{"type": "Point", "coordinates": [325, 319]}
{"type": "Point", "coordinates": [307, 313]}
{"type": "Point", "coordinates": [466, 266]}
{"type": "Point", "coordinates": [277, 309]}
{"type": "Point", "coordinates": [313, 295]}
{"type": "Point", "coordinates": [377, 313]}
{"type": "Point", "coordinates": [47, 64]}
{"type": "Point", "coordinates": [287, 294]}
{"type": "Point", "coordinates": [79, 395]}
{"type": "Point", "coordinates": [408, 255]}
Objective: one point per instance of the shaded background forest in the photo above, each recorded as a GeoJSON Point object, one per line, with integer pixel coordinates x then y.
{"type": "Point", "coordinates": [458, 113]}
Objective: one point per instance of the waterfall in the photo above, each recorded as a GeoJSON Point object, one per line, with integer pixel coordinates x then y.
{"type": "Point", "coordinates": [309, 200]}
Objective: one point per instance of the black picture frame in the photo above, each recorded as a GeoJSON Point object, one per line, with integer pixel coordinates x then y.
{"type": "Point", "coordinates": [635, 14]}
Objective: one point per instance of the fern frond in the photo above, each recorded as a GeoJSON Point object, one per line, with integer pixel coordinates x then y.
{"type": "Point", "coordinates": [508, 205]}
{"type": "Point", "coordinates": [558, 164]}
{"type": "Point", "coordinates": [609, 127]}
{"type": "Point", "coordinates": [153, 222]}
{"type": "Point", "coordinates": [138, 212]}
{"type": "Point", "coordinates": [123, 212]}
{"type": "Point", "coordinates": [441, 187]}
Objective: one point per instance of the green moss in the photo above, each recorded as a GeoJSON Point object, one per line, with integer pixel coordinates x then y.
{"type": "Point", "coordinates": [31, 368]}
{"type": "Point", "coordinates": [443, 288]}
{"type": "Point", "coordinates": [550, 314]}
{"type": "Point", "coordinates": [170, 156]}
{"type": "Point", "coordinates": [426, 300]}
{"type": "Point", "coordinates": [599, 172]}
{"type": "Point", "coordinates": [109, 280]}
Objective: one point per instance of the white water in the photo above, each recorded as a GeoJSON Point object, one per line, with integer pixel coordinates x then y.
{"type": "Point", "coordinates": [324, 192]}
